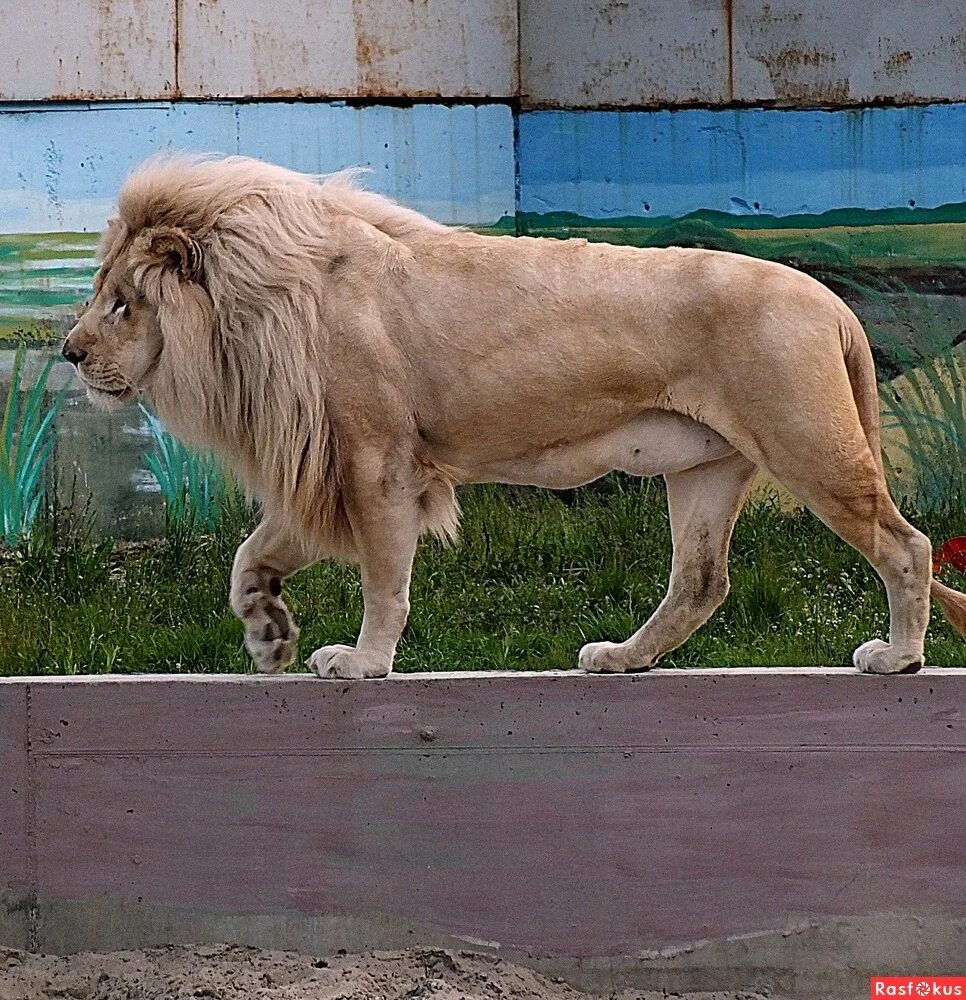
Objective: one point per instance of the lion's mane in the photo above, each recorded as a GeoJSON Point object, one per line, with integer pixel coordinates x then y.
{"type": "Point", "coordinates": [245, 365]}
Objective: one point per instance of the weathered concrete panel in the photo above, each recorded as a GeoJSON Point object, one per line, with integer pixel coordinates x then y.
{"type": "Point", "coordinates": [570, 54]}
{"type": "Point", "coordinates": [376, 48]}
{"type": "Point", "coordinates": [15, 813]}
{"type": "Point", "coordinates": [78, 49]}
{"type": "Point", "coordinates": [614, 52]}
{"type": "Point", "coordinates": [789, 53]}
{"type": "Point", "coordinates": [582, 823]}
{"type": "Point", "coordinates": [827, 52]}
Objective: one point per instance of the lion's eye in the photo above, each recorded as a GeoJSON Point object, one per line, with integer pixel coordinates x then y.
{"type": "Point", "coordinates": [120, 307]}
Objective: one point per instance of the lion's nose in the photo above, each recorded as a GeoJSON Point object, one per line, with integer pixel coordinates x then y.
{"type": "Point", "coordinates": [75, 355]}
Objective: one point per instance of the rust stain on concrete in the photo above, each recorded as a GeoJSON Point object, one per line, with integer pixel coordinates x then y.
{"type": "Point", "coordinates": [795, 57]}
{"type": "Point", "coordinates": [371, 54]}
{"type": "Point", "coordinates": [898, 62]}
{"type": "Point", "coordinates": [75, 95]}
{"type": "Point", "coordinates": [178, 12]}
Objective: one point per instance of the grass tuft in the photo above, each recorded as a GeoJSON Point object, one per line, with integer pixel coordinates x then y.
{"type": "Point", "coordinates": [926, 421]}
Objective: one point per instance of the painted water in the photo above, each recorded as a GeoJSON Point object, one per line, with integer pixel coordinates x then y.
{"type": "Point", "coordinates": [42, 277]}
{"type": "Point", "coordinates": [98, 471]}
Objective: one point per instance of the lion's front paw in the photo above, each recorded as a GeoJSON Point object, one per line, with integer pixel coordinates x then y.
{"type": "Point", "coordinates": [348, 663]}
{"type": "Point", "coordinates": [878, 657]}
{"type": "Point", "coordinates": [270, 633]}
{"type": "Point", "coordinates": [609, 658]}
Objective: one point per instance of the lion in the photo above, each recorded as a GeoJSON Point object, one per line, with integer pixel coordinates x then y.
{"type": "Point", "coordinates": [355, 361]}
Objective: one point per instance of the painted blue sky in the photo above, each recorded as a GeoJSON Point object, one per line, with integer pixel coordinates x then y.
{"type": "Point", "coordinates": [609, 163]}
{"type": "Point", "coordinates": [62, 166]}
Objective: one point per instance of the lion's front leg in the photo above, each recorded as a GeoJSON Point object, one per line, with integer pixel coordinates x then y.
{"type": "Point", "coordinates": [385, 529]}
{"type": "Point", "coordinates": [703, 503]}
{"type": "Point", "coordinates": [262, 561]}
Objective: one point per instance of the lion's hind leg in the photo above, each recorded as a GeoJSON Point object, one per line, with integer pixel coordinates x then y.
{"type": "Point", "coordinates": [857, 506]}
{"type": "Point", "coordinates": [703, 503]}
{"type": "Point", "coordinates": [824, 458]}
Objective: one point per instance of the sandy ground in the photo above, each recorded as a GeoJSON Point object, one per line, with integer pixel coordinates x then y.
{"type": "Point", "coordinates": [225, 972]}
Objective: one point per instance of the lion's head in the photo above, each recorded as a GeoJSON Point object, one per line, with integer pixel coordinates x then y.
{"type": "Point", "coordinates": [219, 285]}
{"type": "Point", "coordinates": [118, 340]}
{"type": "Point", "coordinates": [210, 302]}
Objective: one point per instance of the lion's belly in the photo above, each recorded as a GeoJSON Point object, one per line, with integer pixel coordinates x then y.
{"type": "Point", "coordinates": [650, 444]}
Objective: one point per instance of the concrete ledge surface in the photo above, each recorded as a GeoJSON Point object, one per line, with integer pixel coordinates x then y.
{"type": "Point", "coordinates": [793, 829]}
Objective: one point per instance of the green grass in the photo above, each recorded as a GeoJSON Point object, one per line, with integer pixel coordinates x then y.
{"type": "Point", "coordinates": [533, 576]}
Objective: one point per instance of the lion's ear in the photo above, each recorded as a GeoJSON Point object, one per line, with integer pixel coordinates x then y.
{"type": "Point", "coordinates": [172, 248]}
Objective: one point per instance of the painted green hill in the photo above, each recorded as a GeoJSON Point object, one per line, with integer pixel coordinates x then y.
{"type": "Point", "coordinates": [850, 217]}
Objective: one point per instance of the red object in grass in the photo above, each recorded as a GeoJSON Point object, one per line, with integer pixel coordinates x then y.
{"type": "Point", "coordinates": [951, 553]}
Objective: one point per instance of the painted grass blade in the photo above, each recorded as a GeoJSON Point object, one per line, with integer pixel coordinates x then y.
{"type": "Point", "coordinates": [26, 445]}
{"type": "Point", "coordinates": [192, 485]}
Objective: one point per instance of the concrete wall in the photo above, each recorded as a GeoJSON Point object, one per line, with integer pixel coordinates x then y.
{"type": "Point", "coordinates": [554, 53]}
{"type": "Point", "coordinates": [80, 49]}
{"type": "Point", "coordinates": [785, 829]}
{"type": "Point", "coordinates": [788, 53]}
{"type": "Point", "coordinates": [378, 48]}
{"type": "Point", "coordinates": [442, 100]}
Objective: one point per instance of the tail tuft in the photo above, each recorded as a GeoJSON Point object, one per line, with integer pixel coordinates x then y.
{"type": "Point", "coordinates": [953, 604]}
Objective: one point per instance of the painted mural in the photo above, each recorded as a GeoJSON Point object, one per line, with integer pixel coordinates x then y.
{"type": "Point", "coordinates": [62, 166]}
{"type": "Point", "coordinates": [875, 192]}
{"type": "Point", "coordinates": [872, 202]}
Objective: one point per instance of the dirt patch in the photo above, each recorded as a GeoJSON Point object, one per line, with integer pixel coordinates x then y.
{"type": "Point", "coordinates": [225, 972]}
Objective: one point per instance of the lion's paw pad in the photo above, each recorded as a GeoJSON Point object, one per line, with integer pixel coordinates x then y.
{"type": "Point", "coordinates": [347, 663]}
{"type": "Point", "coordinates": [270, 634]}
{"type": "Point", "coordinates": [878, 657]}
{"type": "Point", "coordinates": [608, 658]}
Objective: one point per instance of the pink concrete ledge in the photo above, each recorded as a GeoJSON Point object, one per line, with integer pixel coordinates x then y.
{"type": "Point", "coordinates": [793, 829]}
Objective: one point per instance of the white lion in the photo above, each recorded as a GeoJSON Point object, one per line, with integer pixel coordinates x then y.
{"type": "Point", "coordinates": [354, 361]}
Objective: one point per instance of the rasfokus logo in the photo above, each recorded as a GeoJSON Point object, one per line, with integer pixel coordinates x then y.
{"type": "Point", "coordinates": [917, 986]}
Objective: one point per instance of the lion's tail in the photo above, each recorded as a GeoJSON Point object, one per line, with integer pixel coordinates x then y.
{"type": "Point", "coordinates": [861, 369]}
{"type": "Point", "coordinates": [865, 389]}
{"type": "Point", "coordinates": [953, 604]}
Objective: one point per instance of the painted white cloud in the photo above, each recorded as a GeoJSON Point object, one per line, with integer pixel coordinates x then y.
{"type": "Point", "coordinates": [31, 212]}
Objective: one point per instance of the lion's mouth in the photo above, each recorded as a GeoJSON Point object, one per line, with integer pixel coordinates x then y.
{"type": "Point", "coordinates": [121, 395]}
